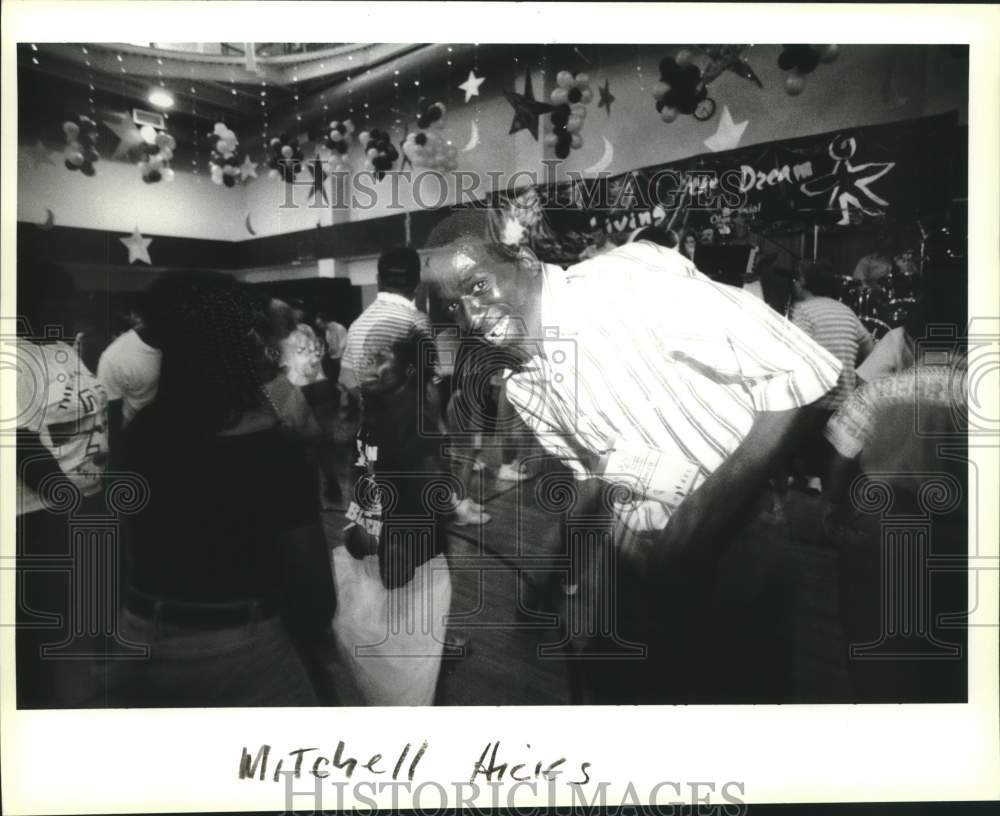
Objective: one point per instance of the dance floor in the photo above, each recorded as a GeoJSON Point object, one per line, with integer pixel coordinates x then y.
{"type": "Point", "coordinates": [781, 564]}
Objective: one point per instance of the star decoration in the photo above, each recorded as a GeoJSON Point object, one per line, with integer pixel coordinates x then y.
{"type": "Point", "coordinates": [727, 136]}
{"type": "Point", "coordinates": [248, 169]}
{"type": "Point", "coordinates": [513, 232]}
{"type": "Point", "coordinates": [39, 155]}
{"type": "Point", "coordinates": [527, 109]}
{"type": "Point", "coordinates": [848, 184]}
{"type": "Point", "coordinates": [138, 247]}
{"type": "Point", "coordinates": [128, 135]}
{"type": "Point", "coordinates": [728, 58]}
{"type": "Point", "coordinates": [471, 85]}
{"type": "Point", "coordinates": [318, 191]}
{"type": "Point", "coordinates": [606, 97]}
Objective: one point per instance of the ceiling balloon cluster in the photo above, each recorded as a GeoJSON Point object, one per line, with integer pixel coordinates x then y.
{"type": "Point", "coordinates": [570, 98]}
{"type": "Point", "coordinates": [285, 158]}
{"type": "Point", "coordinates": [681, 87]}
{"type": "Point", "coordinates": [226, 156]}
{"type": "Point", "coordinates": [380, 152]}
{"type": "Point", "coordinates": [338, 141]}
{"type": "Point", "coordinates": [802, 60]}
{"type": "Point", "coordinates": [81, 136]}
{"type": "Point", "coordinates": [157, 150]}
{"type": "Point", "coordinates": [428, 147]}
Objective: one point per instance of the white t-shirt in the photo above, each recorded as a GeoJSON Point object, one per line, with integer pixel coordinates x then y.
{"type": "Point", "coordinates": [891, 355]}
{"type": "Point", "coordinates": [61, 401]}
{"type": "Point", "coordinates": [130, 371]}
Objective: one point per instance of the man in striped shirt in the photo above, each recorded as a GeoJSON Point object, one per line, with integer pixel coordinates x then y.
{"type": "Point", "coordinates": [635, 356]}
{"type": "Point", "coordinates": [837, 329]}
{"type": "Point", "coordinates": [638, 369]}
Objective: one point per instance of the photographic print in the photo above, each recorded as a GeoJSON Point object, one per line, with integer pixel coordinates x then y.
{"type": "Point", "coordinates": [483, 414]}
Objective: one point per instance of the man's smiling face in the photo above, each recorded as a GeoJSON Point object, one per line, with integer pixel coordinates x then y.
{"type": "Point", "coordinates": [487, 293]}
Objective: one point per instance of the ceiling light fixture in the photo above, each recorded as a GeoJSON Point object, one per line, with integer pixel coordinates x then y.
{"type": "Point", "coordinates": [160, 98]}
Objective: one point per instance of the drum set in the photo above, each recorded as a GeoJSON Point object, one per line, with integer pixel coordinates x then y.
{"type": "Point", "coordinates": [884, 307]}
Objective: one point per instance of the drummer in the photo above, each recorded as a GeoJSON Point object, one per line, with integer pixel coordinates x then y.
{"type": "Point", "coordinates": [874, 269]}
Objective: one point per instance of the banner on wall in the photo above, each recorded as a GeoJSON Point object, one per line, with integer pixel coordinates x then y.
{"type": "Point", "coordinates": [854, 177]}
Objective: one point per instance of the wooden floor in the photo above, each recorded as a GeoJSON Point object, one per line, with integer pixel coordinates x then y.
{"type": "Point", "coordinates": [503, 664]}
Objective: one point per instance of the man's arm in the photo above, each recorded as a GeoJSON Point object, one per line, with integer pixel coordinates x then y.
{"type": "Point", "coordinates": [698, 528]}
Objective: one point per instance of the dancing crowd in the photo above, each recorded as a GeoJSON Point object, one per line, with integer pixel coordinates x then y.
{"type": "Point", "coordinates": [670, 410]}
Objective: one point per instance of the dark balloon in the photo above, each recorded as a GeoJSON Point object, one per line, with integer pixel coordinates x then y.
{"type": "Point", "coordinates": [70, 166]}
{"type": "Point", "coordinates": [229, 181]}
{"type": "Point", "coordinates": [87, 169]}
{"type": "Point", "coordinates": [420, 139]}
{"type": "Point", "coordinates": [423, 121]}
{"type": "Point", "coordinates": [574, 95]}
{"type": "Point", "coordinates": [562, 151]}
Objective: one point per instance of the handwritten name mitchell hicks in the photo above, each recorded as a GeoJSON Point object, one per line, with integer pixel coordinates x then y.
{"type": "Point", "coordinates": [322, 766]}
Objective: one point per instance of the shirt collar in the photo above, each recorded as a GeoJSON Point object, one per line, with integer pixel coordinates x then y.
{"type": "Point", "coordinates": [392, 297]}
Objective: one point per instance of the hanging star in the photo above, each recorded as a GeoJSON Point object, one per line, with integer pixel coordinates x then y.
{"type": "Point", "coordinates": [471, 85]}
{"type": "Point", "coordinates": [128, 135]}
{"type": "Point", "coordinates": [318, 190]}
{"type": "Point", "coordinates": [39, 155]}
{"type": "Point", "coordinates": [727, 136]}
{"type": "Point", "coordinates": [848, 184]}
{"type": "Point", "coordinates": [138, 247]}
{"type": "Point", "coordinates": [606, 96]}
{"type": "Point", "coordinates": [527, 109]}
{"type": "Point", "coordinates": [728, 58]}
{"type": "Point", "coordinates": [248, 169]}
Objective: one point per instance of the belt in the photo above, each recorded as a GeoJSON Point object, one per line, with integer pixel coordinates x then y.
{"type": "Point", "coordinates": [194, 614]}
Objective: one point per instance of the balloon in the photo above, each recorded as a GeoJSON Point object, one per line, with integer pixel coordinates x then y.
{"type": "Point", "coordinates": [75, 157]}
{"type": "Point", "coordinates": [218, 179]}
{"type": "Point", "coordinates": [162, 139]}
{"type": "Point", "coordinates": [660, 90]}
{"type": "Point", "coordinates": [275, 142]}
{"type": "Point", "coordinates": [668, 114]}
{"type": "Point", "coordinates": [683, 57]}
{"type": "Point", "coordinates": [87, 169]}
{"type": "Point", "coordinates": [148, 134]}
{"type": "Point", "coordinates": [168, 175]}
{"type": "Point", "coordinates": [154, 176]}
{"type": "Point", "coordinates": [364, 137]}
{"type": "Point", "coordinates": [586, 96]}
{"type": "Point", "coordinates": [551, 139]}
{"type": "Point", "coordinates": [578, 110]}
{"type": "Point", "coordinates": [229, 181]}
{"type": "Point", "coordinates": [794, 85]}
{"type": "Point", "coordinates": [273, 174]}
{"type": "Point", "coordinates": [564, 79]}
{"type": "Point", "coordinates": [220, 128]}
{"type": "Point", "coordinates": [574, 123]}
{"type": "Point", "coordinates": [576, 141]}
{"type": "Point", "coordinates": [70, 166]}
{"type": "Point", "coordinates": [829, 53]}
{"type": "Point", "coordinates": [559, 96]}
{"type": "Point", "coordinates": [71, 129]}
{"type": "Point", "coordinates": [287, 151]}
{"type": "Point", "coordinates": [144, 168]}
{"type": "Point", "coordinates": [574, 95]}
{"type": "Point", "coordinates": [222, 146]}
{"type": "Point", "coordinates": [372, 153]}
{"type": "Point", "coordinates": [156, 163]}
{"type": "Point", "coordinates": [166, 153]}
{"type": "Point", "coordinates": [336, 135]}
{"type": "Point", "coordinates": [562, 151]}
{"type": "Point", "coordinates": [582, 79]}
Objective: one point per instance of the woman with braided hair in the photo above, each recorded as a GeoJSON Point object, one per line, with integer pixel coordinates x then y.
{"type": "Point", "coordinates": [230, 582]}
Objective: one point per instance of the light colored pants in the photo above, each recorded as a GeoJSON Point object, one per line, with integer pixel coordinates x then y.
{"type": "Point", "coordinates": [391, 640]}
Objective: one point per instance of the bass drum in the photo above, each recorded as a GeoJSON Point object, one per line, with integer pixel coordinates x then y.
{"type": "Point", "coordinates": [879, 328]}
{"type": "Point", "coordinates": [895, 312]}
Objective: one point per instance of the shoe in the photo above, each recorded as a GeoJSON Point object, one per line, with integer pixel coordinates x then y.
{"type": "Point", "coordinates": [814, 485]}
{"type": "Point", "coordinates": [478, 466]}
{"type": "Point", "coordinates": [512, 472]}
{"type": "Point", "coordinates": [466, 513]}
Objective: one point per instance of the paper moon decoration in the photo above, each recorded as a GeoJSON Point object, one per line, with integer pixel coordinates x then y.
{"type": "Point", "coordinates": [473, 139]}
{"type": "Point", "coordinates": [248, 225]}
{"type": "Point", "coordinates": [50, 220]}
{"type": "Point", "coordinates": [605, 161]}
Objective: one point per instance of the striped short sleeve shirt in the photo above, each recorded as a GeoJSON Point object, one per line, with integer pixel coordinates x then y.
{"type": "Point", "coordinates": [391, 319]}
{"type": "Point", "coordinates": [837, 329]}
{"type": "Point", "coordinates": [644, 353]}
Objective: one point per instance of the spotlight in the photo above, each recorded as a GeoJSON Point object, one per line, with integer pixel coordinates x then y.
{"type": "Point", "coordinates": [161, 98]}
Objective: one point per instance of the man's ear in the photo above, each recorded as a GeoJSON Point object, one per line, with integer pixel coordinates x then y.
{"type": "Point", "coordinates": [528, 260]}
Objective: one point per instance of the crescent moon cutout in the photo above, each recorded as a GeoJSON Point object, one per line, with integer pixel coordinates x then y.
{"type": "Point", "coordinates": [50, 220]}
{"type": "Point", "coordinates": [473, 139]}
{"type": "Point", "coordinates": [605, 161]}
{"type": "Point", "coordinates": [249, 227]}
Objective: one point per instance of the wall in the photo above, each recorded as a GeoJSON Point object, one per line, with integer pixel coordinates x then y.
{"type": "Point", "coordinates": [867, 85]}
{"type": "Point", "coordinates": [117, 200]}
